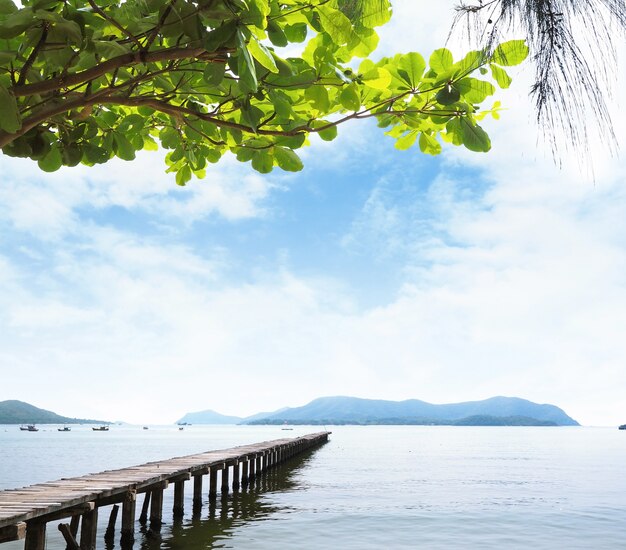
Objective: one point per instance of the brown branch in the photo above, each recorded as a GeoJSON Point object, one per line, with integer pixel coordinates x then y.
{"type": "Point", "coordinates": [155, 32]}
{"type": "Point", "coordinates": [113, 22]}
{"type": "Point", "coordinates": [133, 58]}
{"type": "Point", "coordinates": [33, 55]}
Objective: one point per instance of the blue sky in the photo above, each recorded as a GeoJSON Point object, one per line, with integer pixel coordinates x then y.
{"type": "Point", "coordinates": [373, 272]}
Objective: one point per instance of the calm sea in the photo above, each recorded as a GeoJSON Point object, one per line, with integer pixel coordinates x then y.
{"type": "Point", "coordinates": [369, 487]}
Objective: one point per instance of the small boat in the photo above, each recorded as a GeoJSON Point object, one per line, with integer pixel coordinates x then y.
{"type": "Point", "coordinates": [64, 429]}
{"type": "Point", "coordinates": [102, 428]}
{"type": "Point", "coordinates": [145, 427]}
{"type": "Point", "coordinates": [286, 429]}
{"type": "Point", "coordinates": [29, 428]}
{"type": "Point", "coordinates": [181, 428]}
{"type": "Point", "coordinates": [622, 427]}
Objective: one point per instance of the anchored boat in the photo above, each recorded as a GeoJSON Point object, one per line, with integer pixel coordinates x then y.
{"type": "Point", "coordinates": [29, 428]}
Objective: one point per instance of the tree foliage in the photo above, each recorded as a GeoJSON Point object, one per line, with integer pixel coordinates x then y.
{"type": "Point", "coordinates": [82, 81]}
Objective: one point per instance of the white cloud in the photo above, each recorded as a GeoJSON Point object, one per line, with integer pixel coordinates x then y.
{"type": "Point", "coordinates": [46, 204]}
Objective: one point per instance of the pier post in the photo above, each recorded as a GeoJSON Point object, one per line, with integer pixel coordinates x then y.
{"type": "Point", "coordinates": [74, 524]}
{"type": "Point", "coordinates": [35, 535]}
{"type": "Point", "coordinates": [236, 475]}
{"type": "Point", "coordinates": [197, 491]}
{"type": "Point", "coordinates": [259, 463]}
{"type": "Point", "coordinates": [143, 517]}
{"type": "Point", "coordinates": [225, 480]}
{"type": "Point", "coordinates": [89, 530]}
{"type": "Point", "coordinates": [213, 483]}
{"type": "Point", "coordinates": [252, 463]}
{"type": "Point", "coordinates": [179, 497]}
{"type": "Point", "coordinates": [156, 508]}
{"type": "Point", "coordinates": [109, 534]}
{"type": "Point", "coordinates": [244, 471]}
{"type": "Point", "coordinates": [70, 541]}
{"type": "Point", "coordinates": [128, 518]}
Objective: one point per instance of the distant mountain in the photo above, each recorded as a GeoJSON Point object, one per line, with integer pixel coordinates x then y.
{"type": "Point", "coordinates": [353, 410]}
{"type": "Point", "coordinates": [209, 417]}
{"type": "Point", "coordinates": [18, 412]}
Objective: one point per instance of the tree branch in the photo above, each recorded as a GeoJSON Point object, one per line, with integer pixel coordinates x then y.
{"type": "Point", "coordinates": [134, 58]}
{"type": "Point", "coordinates": [113, 22]}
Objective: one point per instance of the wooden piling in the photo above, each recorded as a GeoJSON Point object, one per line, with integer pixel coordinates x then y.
{"type": "Point", "coordinates": [236, 474]}
{"type": "Point", "coordinates": [197, 490]}
{"type": "Point", "coordinates": [109, 534]}
{"type": "Point", "coordinates": [244, 472]}
{"type": "Point", "coordinates": [179, 496]}
{"type": "Point", "coordinates": [74, 525]}
{"type": "Point", "coordinates": [89, 530]}
{"type": "Point", "coordinates": [225, 487]}
{"type": "Point", "coordinates": [156, 508]}
{"type": "Point", "coordinates": [128, 518]}
{"type": "Point", "coordinates": [252, 463]}
{"type": "Point", "coordinates": [213, 483]}
{"type": "Point", "coordinates": [143, 517]}
{"type": "Point", "coordinates": [70, 540]}
{"type": "Point", "coordinates": [35, 535]}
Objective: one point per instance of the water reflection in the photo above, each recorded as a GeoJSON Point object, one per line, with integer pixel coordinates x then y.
{"type": "Point", "coordinates": [211, 525]}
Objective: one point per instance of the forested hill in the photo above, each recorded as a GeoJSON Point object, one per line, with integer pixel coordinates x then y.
{"type": "Point", "coordinates": [18, 412]}
{"type": "Point", "coordinates": [352, 410]}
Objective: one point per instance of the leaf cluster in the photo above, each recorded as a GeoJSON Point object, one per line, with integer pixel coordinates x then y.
{"type": "Point", "coordinates": [83, 81]}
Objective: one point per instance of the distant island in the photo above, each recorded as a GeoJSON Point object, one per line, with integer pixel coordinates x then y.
{"type": "Point", "coordinates": [19, 412]}
{"type": "Point", "coordinates": [496, 411]}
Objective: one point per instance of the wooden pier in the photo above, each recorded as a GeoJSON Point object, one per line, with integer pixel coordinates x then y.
{"type": "Point", "coordinates": [25, 512]}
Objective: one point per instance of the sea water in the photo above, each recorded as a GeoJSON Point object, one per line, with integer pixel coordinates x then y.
{"type": "Point", "coordinates": [370, 487]}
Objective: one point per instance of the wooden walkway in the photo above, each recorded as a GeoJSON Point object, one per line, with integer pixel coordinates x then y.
{"type": "Point", "coordinates": [25, 512]}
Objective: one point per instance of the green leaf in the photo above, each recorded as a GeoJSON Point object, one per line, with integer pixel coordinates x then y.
{"type": "Point", "coordinates": [123, 147]}
{"type": "Point", "coordinates": [318, 95]}
{"type": "Point", "coordinates": [412, 65]}
{"type": "Point", "coordinates": [500, 76]}
{"type": "Point", "coordinates": [510, 53]}
{"type": "Point", "coordinates": [474, 90]}
{"type": "Point", "coordinates": [183, 175]}
{"type": "Point", "coordinates": [10, 120]}
{"type": "Point", "coordinates": [374, 77]}
{"type": "Point", "coordinates": [349, 98]}
{"type": "Point", "coordinates": [214, 73]}
{"type": "Point", "coordinates": [16, 23]}
{"type": "Point", "coordinates": [429, 144]}
{"type": "Point", "coordinates": [52, 161]}
{"type": "Point", "coordinates": [296, 32]}
{"type": "Point", "coordinates": [448, 95]}
{"type": "Point", "coordinates": [276, 35]}
{"type": "Point", "coordinates": [7, 56]}
{"type": "Point", "coordinates": [262, 55]}
{"type": "Point", "coordinates": [258, 12]}
{"type": "Point", "coordinates": [221, 36]}
{"type": "Point", "coordinates": [335, 23]}
{"type": "Point", "coordinates": [7, 7]}
{"type": "Point", "coordinates": [328, 134]}
{"type": "Point", "coordinates": [247, 71]}
{"type": "Point", "coordinates": [263, 162]}
{"type": "Point", "coordinates": [441, 60]}
{"type": "Point", "coordinates": [406, 141]}
{"type": "Point", "coordinates": [287, 159]}
{"type": "Point", "coordinates": [474, 137]}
